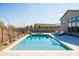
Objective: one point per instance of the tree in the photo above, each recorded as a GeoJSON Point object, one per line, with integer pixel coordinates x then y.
{"type": "Point", "coordinates": [27, 26]}
{"type": "Point", "coordinates": [31, 26]}
{"type": "Point", "coordinates": [39, 26]}
{"type": "Point", "coordinates": [34, 26]}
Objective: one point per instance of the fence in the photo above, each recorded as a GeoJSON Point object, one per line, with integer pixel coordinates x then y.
{"type": "Point", "coordinates": [6, 35]}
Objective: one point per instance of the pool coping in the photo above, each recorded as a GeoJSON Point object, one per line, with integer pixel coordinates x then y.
{"type": "Point", "coordinates": [8, 48]}
{"type": "Point", "coordinates": [73, 52]}
{"type": "Point", "coordinates": [74, 47]}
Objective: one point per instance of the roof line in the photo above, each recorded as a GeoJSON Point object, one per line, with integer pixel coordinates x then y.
{"type": "Point", "coordinates": [67, 12]}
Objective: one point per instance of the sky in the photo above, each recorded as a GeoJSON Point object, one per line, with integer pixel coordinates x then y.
{"type": "Point", "coordinates": [23, 14]}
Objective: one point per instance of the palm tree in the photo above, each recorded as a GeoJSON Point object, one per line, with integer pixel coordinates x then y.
{"type": "Point", "coordinates": [1, 26]}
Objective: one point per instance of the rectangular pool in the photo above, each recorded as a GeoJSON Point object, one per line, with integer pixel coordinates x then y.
{"type": "Point", "coordinates": [40, 42]}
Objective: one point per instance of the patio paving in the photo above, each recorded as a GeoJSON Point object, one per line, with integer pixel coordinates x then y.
{"type": "Point", "coordinates": [69, 39]}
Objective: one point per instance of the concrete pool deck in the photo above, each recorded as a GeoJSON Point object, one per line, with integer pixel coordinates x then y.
{"type": "Point", "coordinates": [8, 52]}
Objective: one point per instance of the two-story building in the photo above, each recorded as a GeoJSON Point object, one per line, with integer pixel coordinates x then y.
{"type": "Point", "coordinates": [70, 22]}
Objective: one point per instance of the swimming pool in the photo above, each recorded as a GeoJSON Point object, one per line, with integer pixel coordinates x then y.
{"type": "Point", "coordinates": [40, 42]}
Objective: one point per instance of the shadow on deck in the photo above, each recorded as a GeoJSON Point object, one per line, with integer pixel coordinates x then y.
{"type": "Point", "coordinates": [69, 39]}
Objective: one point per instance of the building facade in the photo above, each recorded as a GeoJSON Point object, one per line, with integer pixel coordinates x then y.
{"type": "Point", "coordinates": [70, 22]}
{"type": "Point", "coordinates": [46, 27]}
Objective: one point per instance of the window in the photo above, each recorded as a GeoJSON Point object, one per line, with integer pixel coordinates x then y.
{"type": "Point", "coordinates": [77, 25]}
{"type": "Point", "coordinates": [77, 18]}
{"type": "Point", "coordinates": [74, 19]}
{"type": "Point", "coordinates": [73, 26]}
{"type": "Point", "coordinates": [69, 20]}
{"type": "Point", "coordinates": [63, 21]}
{"type": "Point", "coordinates": [69, 27]}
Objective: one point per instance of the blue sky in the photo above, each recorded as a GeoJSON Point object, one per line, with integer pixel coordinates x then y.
{"type": "Point", "coordinates": [27, 14]}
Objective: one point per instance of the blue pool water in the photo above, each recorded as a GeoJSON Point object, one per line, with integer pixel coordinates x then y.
{"type": "Point", "coordinates": [40, 42]}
